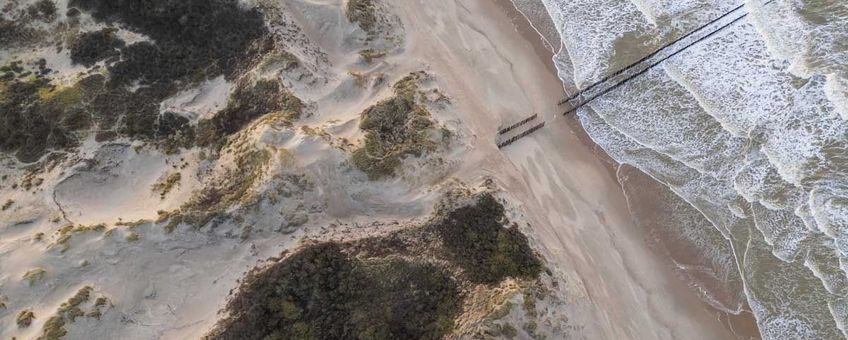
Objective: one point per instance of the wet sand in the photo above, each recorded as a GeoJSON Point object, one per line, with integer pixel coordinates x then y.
{"type": "Point", "coordinates": [495, 70]}
{"type": "Point", "coordinates": [616, 256]}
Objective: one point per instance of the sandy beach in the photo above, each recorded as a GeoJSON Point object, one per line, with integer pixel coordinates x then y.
{"type": "Point", "coordinates": [621, 289]}
{"type": "Point", "coordinates": [493, 70]}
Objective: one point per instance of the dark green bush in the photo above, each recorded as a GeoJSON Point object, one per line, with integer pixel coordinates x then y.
{"type": "Point", "coordinates": [44, 10]}
{"type": "Point", "coordinates": [36, 117]}
{"type": "Point", "coordinates": [95, 46]}
{"type": "Point", "coordinates": [190, 41]}
{"type": "Point", "coordinates": [245, 105]}
{"type": "Point", "coordinates": [486, 250]}
{"type": "Point", "coordinates": [208, 37]}
{"type": "Point", "coordinates": [322, 293]}
{"type": "Point", "coordinates": [394, 128]}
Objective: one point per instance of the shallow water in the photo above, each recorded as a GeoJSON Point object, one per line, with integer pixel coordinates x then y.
{"type": "Point", "coordinates": [747, 128]}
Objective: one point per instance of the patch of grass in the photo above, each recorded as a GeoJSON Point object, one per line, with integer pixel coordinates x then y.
{"type": "Point", "coordinates": [24, 318]}
{"type": "Point", "coordinates": [193, 38]}
{"type": "Point", "coordinates": [34, 275]}
{"type": "Point", "coordinates": [530, 327]}
{"type": "Point", "coordinates": [395, 128]}
{"type": "Point", "coordinates": [29, 126]}
{"type": "Point", "coordinates": [68, 311]}
{"type": "Point", "coordinates": [164, 187]}
{"type": "Point", "coordinates": [133, 224]}
{"type": "Point", "coordinates": [100, 303]}
{"type": "Point", "coordinates": [487, 251]}
{"type": "Point", "coordinates": [65, 233]}
{"type": "Point", "coordinates": [388, 306]}
{"type": "Point", "coordinates": [174, 218]}
{"type": "Point", "coordinates": [82, 295]}
{"type": "Point", "coordinates": [247, 103]}
{"type": "Point", "coordinates": [322, 293]}
{"type": "Point", "coordinates": [362, 12]}
{"type": "Point", "coordinates": [279, 60]}
{"type": "Point", "coordinates": [530, 303]}
{"type": "Point", "coordinates": [358, 78]}
{"type": "Point", "coordinates": [370, 55]}
{"type": "Point", "coordinates": [234, 187]}
{"type": "Point", "coordinates": [30, 180]}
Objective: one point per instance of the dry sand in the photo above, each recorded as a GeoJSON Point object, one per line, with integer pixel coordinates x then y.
{"type": "Point", "coordinates": [621, 290]}
{"type": "Point", "coordinates": [495, 70]}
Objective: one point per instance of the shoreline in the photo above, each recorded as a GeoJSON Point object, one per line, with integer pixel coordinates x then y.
{"type": "Point", "coordinates": [477, 64]}
{"type": "Point", "coordinates": [744, 325]}
{"type": "Point", "coordinates": [524, 27]}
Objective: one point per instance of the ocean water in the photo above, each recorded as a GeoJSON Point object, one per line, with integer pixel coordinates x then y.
{"type": "Point", "coordinates": [747, 130]}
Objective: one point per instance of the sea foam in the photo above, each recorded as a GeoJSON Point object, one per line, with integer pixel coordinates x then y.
{"type": "Point", "coordinates": [748, 127]}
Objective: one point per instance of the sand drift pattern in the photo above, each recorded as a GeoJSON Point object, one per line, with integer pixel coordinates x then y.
{"type": "Point", "coordinates": [748, 127]}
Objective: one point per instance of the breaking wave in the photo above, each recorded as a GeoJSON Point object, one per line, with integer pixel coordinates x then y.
{"type": "Point", "coordinates": [748, 129]}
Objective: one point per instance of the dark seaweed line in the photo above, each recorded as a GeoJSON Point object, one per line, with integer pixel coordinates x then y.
{"type": "Point", "coordinates": [513, 126]}
{"type": "Point", "coordinates": [651, 55]}
{"type": "Point", "coordinates": [523, 134]}
{"type": "Point", "coordinates": [576, 107]}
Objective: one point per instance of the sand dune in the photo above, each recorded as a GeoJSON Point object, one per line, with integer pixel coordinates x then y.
{"type": "Point", "coordinates": [113, 215]}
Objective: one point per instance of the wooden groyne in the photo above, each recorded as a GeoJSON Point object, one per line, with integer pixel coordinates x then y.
{"type": "Point", "coordinates": [513, 126]}
{"type": "Point", "coordinates": [512, 133]}
{"type": "Point", "coordinates": [527, 132]}
{"type": "Point", "coordinates": [662, 54]}
{"type": "Point", "coordinates": [622, 76]}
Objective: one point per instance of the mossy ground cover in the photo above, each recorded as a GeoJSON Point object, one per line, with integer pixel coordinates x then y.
{"type": "Point", "coordinates": [36, 116]}
{"type": "Point", "coordinates": [395, 128]}
{"type": "Point", "coordinates": [401, 285]}
{"type": "Point", "coordinates": [190, 41]}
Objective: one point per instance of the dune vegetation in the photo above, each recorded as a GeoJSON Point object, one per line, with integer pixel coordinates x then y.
{"type": "Point", "coordinates": [396, 286]}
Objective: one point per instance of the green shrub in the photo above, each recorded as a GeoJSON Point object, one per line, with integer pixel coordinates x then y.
{"type": "Point", "coordinates": [234, 187]}
{"type": "Point", "coordinates": [24, 318]}
{"type": "Point", "coordinates": [246, 104]}
{"type": "Point", "coordinates": [362, 12]}
{"type": "Point", "coordinates": [44, 10]}
{"type": "Point", "coordinates": [321, 293]}
{"type": "Point", "coordinates": [477, 240]}
{"type": "Point", "coordinates": [395, 128]}
{"type": "Point", "coordinates": [95, 46]}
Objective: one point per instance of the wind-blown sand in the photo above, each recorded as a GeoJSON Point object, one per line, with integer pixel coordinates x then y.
{"type": "Point", "coordinates": [619, 288]}
{"type": "Point", "coordinates": [495, 71]}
